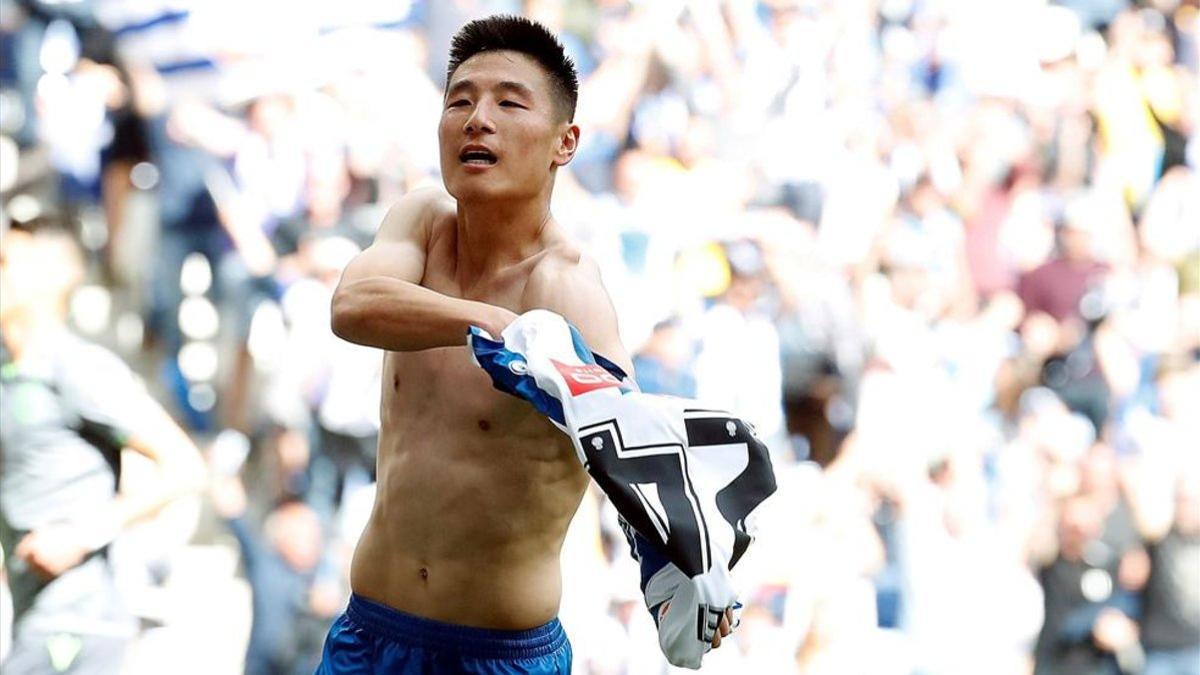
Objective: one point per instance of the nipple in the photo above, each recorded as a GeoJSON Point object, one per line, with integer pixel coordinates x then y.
{"type": "Point", "coordinates": [484, 425]}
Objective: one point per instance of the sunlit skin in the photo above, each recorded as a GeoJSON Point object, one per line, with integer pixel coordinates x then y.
{"type": "Point", "coordinates": [476, 488]}
{"type": "Point", "coordinates": [502, 101]}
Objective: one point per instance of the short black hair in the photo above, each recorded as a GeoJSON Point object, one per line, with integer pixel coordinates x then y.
{"type": "Point", "coordinates": [525, 36]}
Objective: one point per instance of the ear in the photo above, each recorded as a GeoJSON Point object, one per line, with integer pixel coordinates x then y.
{"type": "Point", "coordinates": [568, 143]}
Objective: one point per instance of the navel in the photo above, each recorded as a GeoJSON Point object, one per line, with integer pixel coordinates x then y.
{"type": "Point", "coordinates": [424, 573]}
{"type": "Point", "coordinates": [395, 383]}
{"type": "Point", "coordinates": [484, 425]}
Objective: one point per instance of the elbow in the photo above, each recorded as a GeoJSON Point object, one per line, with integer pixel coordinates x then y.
{"type": "Point", "coordinates": [346, 316]}
{"type": "Point", "coordinates": [191, 473]}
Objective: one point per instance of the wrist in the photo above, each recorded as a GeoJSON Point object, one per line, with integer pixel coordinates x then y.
{"type": "Point", "coordinates": [480, 315]}
{"type": "Point", "coordinates": [496, 320]}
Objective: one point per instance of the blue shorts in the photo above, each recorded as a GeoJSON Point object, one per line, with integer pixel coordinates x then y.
{"type": "Point", "coordinates": [373, 638]}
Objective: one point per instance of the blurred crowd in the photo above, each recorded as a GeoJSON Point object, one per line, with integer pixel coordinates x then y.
{"type": "Point", "coordinates": [945, 255]}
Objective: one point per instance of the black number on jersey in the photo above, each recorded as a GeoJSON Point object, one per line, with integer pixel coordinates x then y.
{"type": "Point", "coordinates": [651, 486]}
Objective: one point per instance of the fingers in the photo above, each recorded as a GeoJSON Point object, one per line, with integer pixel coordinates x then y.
{"type": "Point", "coordinates": [24, 547]}
{"type": "Point", "coordinates": [27, 550]}
{"type": "Point", "coordinates": [724, 629]}
{"type": "Point", "coordinates": [41, 570]}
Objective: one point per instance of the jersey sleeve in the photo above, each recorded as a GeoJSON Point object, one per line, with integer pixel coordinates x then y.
{"type": "Point", "coordinates": [102, 393]}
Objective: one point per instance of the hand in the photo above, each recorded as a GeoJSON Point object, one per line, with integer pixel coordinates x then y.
{"type": "Point", "coordinates": [1041, 335]}
{"type": "Point", "coordinates": [494, 319]}
{"type": "Point", "coordinates": [1134, 569]}
{"type": "Point", "coordinates": [724, 629]}
{"type": "Point", "coordinates": [51, 550]}
{"type": "Point", "coordinates": [1113, 631]}
{"type": "Point", "coordinates": [228, 497]}
{"type": "Point", "coordinates": [294, 452]}
{"type": "Point", "coordinates": [325, 599]}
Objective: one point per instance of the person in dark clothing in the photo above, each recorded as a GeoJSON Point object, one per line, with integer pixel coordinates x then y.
{"type": "Point", "coordinates": [1168, 518]}
{"type": "Point", "coordinates": [1064, 299]}
{"type": "Point", "coordinates": [664, 363]}
{"type": "Point", "coordinates": [1088, 629]}
{"type": "Point", "coordinates": [290, 589]}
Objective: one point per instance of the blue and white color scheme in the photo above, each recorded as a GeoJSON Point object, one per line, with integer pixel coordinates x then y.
{"type": "Point", "coordinates": [685, 479]}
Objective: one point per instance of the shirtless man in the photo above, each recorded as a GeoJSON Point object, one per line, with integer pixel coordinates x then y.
{"type": "Point", "coordinates": [458, 568]}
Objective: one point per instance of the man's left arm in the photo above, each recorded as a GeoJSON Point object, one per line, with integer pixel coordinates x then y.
{"type": "Point", "coordinates": [570, 286]}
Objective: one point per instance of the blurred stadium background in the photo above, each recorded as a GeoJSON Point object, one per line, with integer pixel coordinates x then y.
{"type": "Point", "coordinates": [945, 255]}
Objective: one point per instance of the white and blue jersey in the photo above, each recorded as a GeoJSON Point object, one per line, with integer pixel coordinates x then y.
{"type": "Point", "coordinates": [686, 479]}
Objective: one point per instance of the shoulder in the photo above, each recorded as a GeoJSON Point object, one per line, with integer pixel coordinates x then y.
{"type": "Point", "coordinates": [80, 352]}
{"type": "Point", "coordinates": [88, 366]}
{"type": "Point", "coordinates": [563, 268]}
{"type": "Point", "coordinates": [419, 210]}
{"type": "Point", "coordinates": [429, 198]}
{"type": "Point", "coordinates": [567, 282]}
{"type": "Point", "coordinates": [559, 260]}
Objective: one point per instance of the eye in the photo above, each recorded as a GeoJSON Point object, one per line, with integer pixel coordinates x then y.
{"type": "Point", "coordinates": [511, 104]}
{"type": "Point", "coordinates": [458, 103]}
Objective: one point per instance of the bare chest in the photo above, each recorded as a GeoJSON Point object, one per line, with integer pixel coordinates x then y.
{"type": "Point", "coordinates": [444, 387]}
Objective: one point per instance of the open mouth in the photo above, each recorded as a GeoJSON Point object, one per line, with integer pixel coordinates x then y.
{"type": "Point", "coordinates": [478, 157]}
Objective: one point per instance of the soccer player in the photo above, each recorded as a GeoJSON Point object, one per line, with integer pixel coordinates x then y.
{"type": "Point", "coordinates": [458, 568]}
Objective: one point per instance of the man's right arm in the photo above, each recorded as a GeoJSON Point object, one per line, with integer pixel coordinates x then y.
{"type": "Point", "coordinates": [380, 302]}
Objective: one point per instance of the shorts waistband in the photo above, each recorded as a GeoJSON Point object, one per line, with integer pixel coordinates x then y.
{"type": "Point", "coordinates": [409, 629]}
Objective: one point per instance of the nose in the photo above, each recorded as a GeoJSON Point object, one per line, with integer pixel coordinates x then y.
{"type": "Point", "coordinates": [480, 121]}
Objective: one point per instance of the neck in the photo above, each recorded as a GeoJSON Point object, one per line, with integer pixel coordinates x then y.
{"type": "Point", "coordinates": [27, 327]}
{"type": "Point", "coordinates": [493, 235]}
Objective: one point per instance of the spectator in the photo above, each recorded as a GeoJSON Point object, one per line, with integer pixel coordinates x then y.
{"type": "Point", "coordinates": [663, 365]}
{"type": "Point", "coordinates": [1162, 484]}
{"type": "Point", "coordinates": [1057, 287]}
{"type": "Point", "coordinates": [69, 407]}
{"type": "Point", "coordinates": [292, 603]}
{"type": "Point", "coordinates": [1090, 625]}
{"type": "Point", "coordinates": [738, 329]}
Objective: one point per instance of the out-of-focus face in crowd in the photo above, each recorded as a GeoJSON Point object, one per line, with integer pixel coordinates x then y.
{"type": "Point", "coordinates": [1080, 522]}
{"type": "Point", "coordinates": [1187, 501]}
{"type": "Point", "coordinates": [295, 531]}
{"type": "Point", "coordinates": [36, 270]}
{"type": "Point", "coordinates": [269, 115]}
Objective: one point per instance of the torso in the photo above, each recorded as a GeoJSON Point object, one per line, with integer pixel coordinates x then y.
{"type": "Point", "coordinates": [475, 488]}
{"type": "Point", "coordinates": [1171, 611]}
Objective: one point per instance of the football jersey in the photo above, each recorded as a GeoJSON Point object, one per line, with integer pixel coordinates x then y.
{"type": "Point", "coordinates": [685, 478]}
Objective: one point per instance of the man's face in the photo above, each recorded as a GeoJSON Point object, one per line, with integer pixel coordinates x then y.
{"type": "Point", "coordinates": [35, 270]}
{"type": "Point", "coordinates": [18, 273]}
{"type": "Point", "coordinates": [1080, 522]}
{"type": "Point", "coordinates": [501, 134]}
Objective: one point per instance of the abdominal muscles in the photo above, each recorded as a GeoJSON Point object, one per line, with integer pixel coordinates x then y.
{"type": "Point", "coordinates": [475, 493]}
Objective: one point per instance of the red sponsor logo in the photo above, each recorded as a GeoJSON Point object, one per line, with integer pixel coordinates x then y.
{"type": "Point", "coordinates": [582, 379]}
